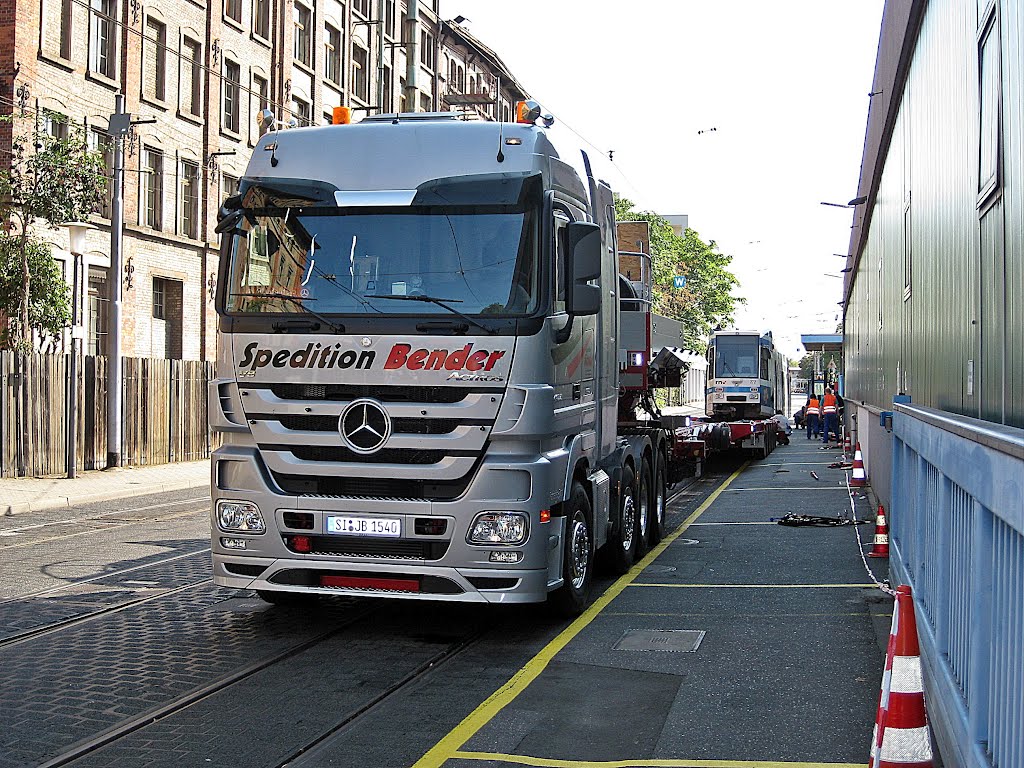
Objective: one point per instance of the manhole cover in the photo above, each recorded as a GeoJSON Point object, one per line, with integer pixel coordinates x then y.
{"type": "Point", "coordinates": [677, 640]}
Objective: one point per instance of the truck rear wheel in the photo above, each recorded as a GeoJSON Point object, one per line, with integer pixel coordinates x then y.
{"type": "Point", "coordinates": [622, 546]}
{"type": "Point", "coordinates": [577, 556]}
{"type": "Point", "coordinates": [657, 523]}
{"type": "Point", "coordinates": [644, 508]}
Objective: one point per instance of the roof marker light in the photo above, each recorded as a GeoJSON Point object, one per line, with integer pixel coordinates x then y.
{"type": "Point", "coordinates": [341, 116]}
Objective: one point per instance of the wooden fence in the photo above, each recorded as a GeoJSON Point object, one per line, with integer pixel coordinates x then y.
{"type": "Point", "coordinates": [164, 412]}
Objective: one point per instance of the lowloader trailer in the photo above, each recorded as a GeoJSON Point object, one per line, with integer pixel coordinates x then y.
{"type": "Point", "coordinates": [429, 368]}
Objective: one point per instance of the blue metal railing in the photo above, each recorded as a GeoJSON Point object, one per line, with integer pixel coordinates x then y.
{"type": "Point", "coordinates": [957, 529]}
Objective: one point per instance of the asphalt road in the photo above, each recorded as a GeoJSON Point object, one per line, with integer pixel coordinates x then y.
{"type": "Point", "coordinates": [117, 649]}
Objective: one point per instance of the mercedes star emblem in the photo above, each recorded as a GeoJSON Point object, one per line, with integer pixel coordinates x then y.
{"type": "Point", "coordinates": [365, 426]}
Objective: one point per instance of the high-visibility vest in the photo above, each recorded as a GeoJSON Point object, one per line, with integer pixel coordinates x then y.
{"type": "Point", "coordinates": [812, 407]}
{"type": "Point", "coordinates": [829, 405]}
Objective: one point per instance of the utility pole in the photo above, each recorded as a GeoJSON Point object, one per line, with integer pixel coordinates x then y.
{"type": "Point", "coordinates": [119, 126]}
{"type": "Point", "coordinates": [380, 56]}
{"type": "Point", "coordinates": [412, 57]}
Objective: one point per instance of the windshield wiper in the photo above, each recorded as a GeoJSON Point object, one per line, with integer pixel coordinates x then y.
{"type": "Point", "coordinates": [438, 302]}
{"type": "Point", "coordinates": [297, 301]}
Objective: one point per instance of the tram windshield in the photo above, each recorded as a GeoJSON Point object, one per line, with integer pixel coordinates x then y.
{"type": "Point", "coordinates": [736, 357]}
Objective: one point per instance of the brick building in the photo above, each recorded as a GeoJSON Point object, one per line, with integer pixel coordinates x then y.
{"type": "Point", "coordinates": [203, 69]}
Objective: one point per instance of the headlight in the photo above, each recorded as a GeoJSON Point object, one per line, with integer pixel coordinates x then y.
{"type": "Point", "coordinates": [240, 516]}
{"type": "Point", "coordinates": [499, 528]}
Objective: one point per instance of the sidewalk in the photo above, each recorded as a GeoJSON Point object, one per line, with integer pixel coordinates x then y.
{"type": "Point", "coordinates": [32, 494]}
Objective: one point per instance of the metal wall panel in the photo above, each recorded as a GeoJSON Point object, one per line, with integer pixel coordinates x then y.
{"type": "Point", "coordinates": [966, 279]}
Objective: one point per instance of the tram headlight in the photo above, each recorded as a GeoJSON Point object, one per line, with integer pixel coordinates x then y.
{"type": "Point", "coordinates": [240, 516]}
{"type": "Point", "coordinates": [499, 528]}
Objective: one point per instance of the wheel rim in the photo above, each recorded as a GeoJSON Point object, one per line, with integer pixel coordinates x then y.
{"type": "Point", "coordinates": [580, 553]}
{"type": "Point", "coordinates": [659, 504]}
{"type": "Point", "coordinates": [628, 521]}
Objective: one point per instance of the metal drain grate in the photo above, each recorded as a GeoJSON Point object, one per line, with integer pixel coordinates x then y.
{"type": "Point", "coordinates": [675, 640]}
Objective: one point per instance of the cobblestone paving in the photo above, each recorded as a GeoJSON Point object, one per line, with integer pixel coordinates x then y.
{"type": "Point", "coordinates": [30, 613]}
{"type": "Point", "coordinates": [64, 688]}
{"type": "Point", "coordinates": [265, 719]}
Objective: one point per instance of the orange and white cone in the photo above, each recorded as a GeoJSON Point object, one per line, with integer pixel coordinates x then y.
{"type": "Point", "coordinates": [859, 479]}
{"type": "Point", "coordinates": [846, 443]}
{"type": "Point", "coordinates": [881, 543]}
{"type": "Point", "coordinates": [901, 738]}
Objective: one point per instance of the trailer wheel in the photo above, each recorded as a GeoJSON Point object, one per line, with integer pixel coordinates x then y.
{"type": "Point", "coordinates": [622, 546]}
{"type": "Point", "coordinates": [657, 523]}
{"type": "Point", "coordinates": [577, 556]}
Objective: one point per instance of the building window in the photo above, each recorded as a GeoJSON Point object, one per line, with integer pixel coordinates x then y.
{"type": "Point", "coordinates": [103, 40]}
{"type": "Point", "coordinates": [261, 18]}
{"type": "Point", "coordinates": [190, 199]}
{"type": "Point", "coordinates": [159, 298]}
{"type": "Point", "coordinates": [233, 10]}
{"type": "Point", "coordinates": [152, 188]}
{"type": "Point", "coordinates": [191, 80]}
{"type": "Point", "coordinates": [360, 72]}
{"type": "Point", "coordinates": [232, 94]}
{"type": "Point", "coordinates": [55, 125]}
{"type": "Point", "coordinates": [425, 102]}
{"type": "Point", "coordinates": [259, 88]}
{"type": "Point", "coordinates": [98, 141]}
{"type": "Point", "coordinates": [99, 303]}
{"type": "Point", "coordinates": [228, 186]}
{"type": "Point", "coordinates": [332, 54]}
{"type": "Point", "coordinates": [303, 18]}
{"type": "Point", "coordinates": [66, 7]}
{"type": "Point", "coordinates": [426, 49]}
{"type": "Point", "coordinates": [300, 110]}
{"type": "Point", "coordinates": [990, 83]}
{"type": "Point", "coordinates": [154, 60]}
{"type": "Point", "coordinates": [362, 7]}
{"type": "Point", "coordinates": [389, 18]}
{"type": "Point", "coordinates": [401, 95]}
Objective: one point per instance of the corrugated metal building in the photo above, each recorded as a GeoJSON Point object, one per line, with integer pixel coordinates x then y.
{"type": "Point", "coordinates": [935, 299]}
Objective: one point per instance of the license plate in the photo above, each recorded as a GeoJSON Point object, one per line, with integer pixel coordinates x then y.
{"type": "Point", "coordinates": [364, 526]}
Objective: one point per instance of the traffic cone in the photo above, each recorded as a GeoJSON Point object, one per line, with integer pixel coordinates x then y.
{"type": "Point", "coordinates": [901, 738]}
{"type": "Point", "coordinates": [859, 479]}
{"type": "Point", "coordinates": [846, 443]}
{"type": "Point", "coordinates": [881, 544]}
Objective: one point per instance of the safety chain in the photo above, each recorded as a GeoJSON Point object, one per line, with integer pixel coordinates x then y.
{"type": "Point", "coordinates": [884, 586]}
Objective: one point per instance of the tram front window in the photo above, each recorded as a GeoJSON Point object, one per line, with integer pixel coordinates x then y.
{"type": "Point", "coordinates": [736, 357]}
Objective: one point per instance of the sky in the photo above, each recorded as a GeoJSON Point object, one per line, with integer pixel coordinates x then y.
{"type": "Point", "coordinates": [743, 114]}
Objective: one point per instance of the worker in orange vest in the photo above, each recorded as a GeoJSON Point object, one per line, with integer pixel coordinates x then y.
{"type": "Point", "coordinates": [830, 416]}
{"type": "Point", "coordinates": [812, 409]}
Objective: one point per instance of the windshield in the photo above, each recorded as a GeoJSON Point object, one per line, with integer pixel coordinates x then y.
{"type": "Point", "coordinates": [350, 261]}
{"type": "Point", "coordinates": [736, 356]}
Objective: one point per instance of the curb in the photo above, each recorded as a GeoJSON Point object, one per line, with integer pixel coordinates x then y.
{"type": "Point", "coordinates": [63, 501]}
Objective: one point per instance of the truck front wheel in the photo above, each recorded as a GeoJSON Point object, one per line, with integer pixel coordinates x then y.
{"type": "Point", "coordinates": [577, 556]}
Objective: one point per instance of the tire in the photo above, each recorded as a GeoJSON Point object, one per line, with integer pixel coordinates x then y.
{"type": "Point", "coordinates": [659, 495]}
{"type": "Point", "coordinates": [286, 598]}
{"type": "Point", "coordinates": [571, 598]}
{"type": "Point", "coordinates": [622, 546]}
{"type": "Point", "coordinates": [644, 498]}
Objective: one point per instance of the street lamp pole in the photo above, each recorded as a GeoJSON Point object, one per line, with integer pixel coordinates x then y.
{"type": "Point", "coordinates": [120, 123]}
{"type": "Point", "coordinates": [76, 236]}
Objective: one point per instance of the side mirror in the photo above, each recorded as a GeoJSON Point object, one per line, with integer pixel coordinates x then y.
{"type": "Point", "coordinates": [584, 245]}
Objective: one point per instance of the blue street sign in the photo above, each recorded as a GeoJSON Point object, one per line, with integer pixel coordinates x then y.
{"type": "Point", "coordinates": [679, 281]}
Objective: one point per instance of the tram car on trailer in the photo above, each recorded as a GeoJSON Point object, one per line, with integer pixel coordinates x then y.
{"type": "Point", "coordinates": [746, 376]}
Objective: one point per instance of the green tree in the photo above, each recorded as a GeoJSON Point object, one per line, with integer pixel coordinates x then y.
{"type": "Point", "coordinates": [49, 300]}
{"type": "Point", "coordinates": [707, 300]}
{"type": "Point", "coordinates": [51, 180]}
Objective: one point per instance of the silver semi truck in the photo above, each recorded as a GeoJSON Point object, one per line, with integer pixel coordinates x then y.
{"type": "Point", "coordinates": [431, 377]}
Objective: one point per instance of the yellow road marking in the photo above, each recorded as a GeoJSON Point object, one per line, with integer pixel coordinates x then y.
{"type": "Point", "coordinates": [788, 488]}
{"type": "Point", "coordinates": [446, 748]}
{"type": "Point", "coordinates": [543, 762]}
{"type": "Point", "coordinates": [748, 586]}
